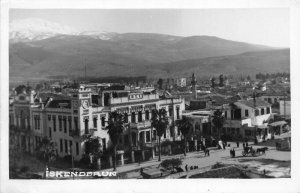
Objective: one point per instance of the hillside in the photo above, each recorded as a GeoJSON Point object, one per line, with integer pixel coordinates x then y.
{"type": "Point", "coordinates": [249, 63]}
{"type": "Point", "coordinates": [130, 54]}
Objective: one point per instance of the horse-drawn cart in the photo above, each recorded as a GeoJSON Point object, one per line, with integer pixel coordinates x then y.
{"type": "Point", "coordinates": [248, 151]}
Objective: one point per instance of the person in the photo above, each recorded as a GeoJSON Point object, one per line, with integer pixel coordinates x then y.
{"type": "Point", "coordinates": [233, 152]}
{"type": "Point", "coordinates": [141, 170]}
{"type": "Point", "coordinates": [186, 167]}
{"type": "Point", "coordinates": [246, 143]}
{"type": "Point", "coordinates": [224, 145]}
{"type": "Point", "coordinates": [237, 144]}
{"type": "Point", "coordinates": [243, 145]}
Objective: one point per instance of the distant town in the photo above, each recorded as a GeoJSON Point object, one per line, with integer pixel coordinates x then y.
{"type": "Point", "coordinates": [184, 127]}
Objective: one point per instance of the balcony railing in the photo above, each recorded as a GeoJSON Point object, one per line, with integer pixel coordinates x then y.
{"type": "Point", "coordinates": [142, 124]}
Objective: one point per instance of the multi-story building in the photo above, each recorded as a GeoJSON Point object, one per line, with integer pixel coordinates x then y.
{"type": "Point", "coordinates": [181, 82]}
{"type": "Point", "coordinates": [67, 120]}
{"type": "Point", "coordinates": [247, 119]}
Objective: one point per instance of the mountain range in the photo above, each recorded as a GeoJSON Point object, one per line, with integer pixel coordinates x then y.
{"type": "Point", "coordinates": [41, 49]}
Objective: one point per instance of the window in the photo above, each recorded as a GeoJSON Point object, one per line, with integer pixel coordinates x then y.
{"type": "Point", "coordinates": [225, 114]}
{"type": "Point", "coordinates": [54, 123]}
{"type": "Point", "coordinates": [77, 148]}
{"type": "Point", "coordinates": [103, 121]}
{"type": "Point", "coordinates": [148, 137]}
{"type": "Point", "coordinates": [140, 116]}
{"type": "Point", "coordinates": [71, 148]}
{"type": "Point", "coordinates": [125, 117]}
{"type": "Point", "coordinates": [66, 146]}
{"type": "Point", "coordinates": [61, 145]}
{"type": "Point", "coordinates": [28, 122]}
{"type": "Point", "coordinates": [170, 111]}
{"type": "Point", "coordinates": [86, 126]}
{"type": "Point", "coordinates": [76, 123]}
{"type": "Point", "coordinates": [246, 113]}
{"type": "Point", "coordinates": [268, 110]}
{"type": "Point", "coordinates": [70, 124]}
{"type": "Point", "coordinates": [165, 134]}
{"type": "Point", "coordinates": [177, 112]}
{"type": "Point", "coordinates": [154, 134]}
{"type": "Point", "coordinates": [262, 111]}
{"type": "Point", "coordinates": [147, 115]}
{"type": "Point", "coordinates": [50, 134]}
{"type": "Point", "coordinates": [133, 117]}
{"type": "Point", "coordinates": [60, 123]}
{"type": "Point", "coordinates": [65, 124]}
{"type": "Point", "coordinates": [256, 112]}
{"type": "Point", "coordinates": [95, 122]}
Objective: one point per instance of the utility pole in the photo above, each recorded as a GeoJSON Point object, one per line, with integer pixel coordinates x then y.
{"type": "Point", "coordinates": [173, 119]}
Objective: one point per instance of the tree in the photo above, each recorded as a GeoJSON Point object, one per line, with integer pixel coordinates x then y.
{"type": "Point", "coordinates": [20, 89]}
{"type": "Point", "coordinates": [221, 80]}
{"type": "Point", "coordinates": [160, 122]}
{"type": "Point", "coordinates": [170, 164]}
{"type": "Point", "coordinates": [93, 149]}
{"type": "Point", "coordinates": [115, 131]}
{"type": "Point", "coordinates": [213, 84]}
{"type": "Point", "coordinates": [38, 87]}
{"type": "Point", "coordinates": [47, 151]}
{"type": "Point", "coordinates": [160, 83]}
{"type": "Point", "coordinates": [248, 78]}
{"type": "Point", "coordinates": [218, 120]}
{"type": "Point", "coordinates": [185, 126]}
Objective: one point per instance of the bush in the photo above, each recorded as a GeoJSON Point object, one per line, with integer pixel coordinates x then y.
{"type": "Point", "coordinates": [85, 160]}
{"type": "Point", "coordinates": [67, 159]}
{"type": "Point", "coordinates": [170, 164]}
{"type": "Point", "coordinates": [24, 169]}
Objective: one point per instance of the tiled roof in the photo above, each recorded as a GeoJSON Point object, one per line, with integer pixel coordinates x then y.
{"type": "Point", "coordinates": [60, 104]}
{"type": "Point", "coordinates": [256, 103]}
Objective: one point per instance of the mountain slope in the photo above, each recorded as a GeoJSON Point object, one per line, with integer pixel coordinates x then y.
{"type": "Point", "coordinates": [248, 63]}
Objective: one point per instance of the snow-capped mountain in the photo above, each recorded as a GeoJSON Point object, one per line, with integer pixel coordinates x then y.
{"type": "Point", "coordinates": [98, 35]}
{"type": "Point", "coordinates": [31, 29]}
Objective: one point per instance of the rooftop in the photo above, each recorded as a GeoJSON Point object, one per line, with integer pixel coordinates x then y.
{"type": "Point", "coordinates": [256, 103]}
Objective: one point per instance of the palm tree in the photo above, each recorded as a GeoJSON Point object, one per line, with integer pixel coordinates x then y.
{"type": "Point", "coordinates": [218, 120]}
{"type": "Point", "coordinates": [93, 148]}
{"type": "Point", "coordinates": [47, 150]}
{"type": "Point", "coordinates": [185, 126]}
{"type": "Point", "coordinates": [160, 122]}
{"type": "Point", "coordinates": [115, 131]}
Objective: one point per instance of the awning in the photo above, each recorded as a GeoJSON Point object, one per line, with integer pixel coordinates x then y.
{"type": "Point", "coordinates": [278, 123]}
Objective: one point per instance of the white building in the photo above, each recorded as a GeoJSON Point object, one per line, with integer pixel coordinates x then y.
{"type": "Point", "coordinates": [68, 120]}
{"type": "Point", "coordinates": [181, 82]}
{"type": "Point", "coordinates": [285, 107]}
{"type": "Point", "coordinates": [247, 118]}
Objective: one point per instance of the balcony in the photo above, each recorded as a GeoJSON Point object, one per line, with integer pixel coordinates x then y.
{"type": "Point", "coordinates": [140, 125]}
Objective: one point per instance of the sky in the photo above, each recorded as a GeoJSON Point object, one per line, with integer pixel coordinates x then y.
{"type": "Point", "coordinates": [258, 26]}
